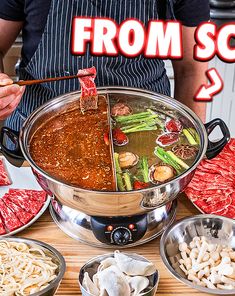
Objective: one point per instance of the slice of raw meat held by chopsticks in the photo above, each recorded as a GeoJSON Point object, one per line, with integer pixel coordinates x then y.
{"type": "Point", "coordinates": [89, 96]}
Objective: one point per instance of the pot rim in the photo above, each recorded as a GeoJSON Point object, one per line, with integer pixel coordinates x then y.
{"type": "Point", "coordinates": [107, 90]}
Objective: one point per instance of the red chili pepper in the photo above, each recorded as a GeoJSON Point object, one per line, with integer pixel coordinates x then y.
{"type": "Point", "coordinates": [140, 185]}
{"type": "Point", "coordinates": [106, 139]}
{"type": "Point", "coordinates": [119, 138]}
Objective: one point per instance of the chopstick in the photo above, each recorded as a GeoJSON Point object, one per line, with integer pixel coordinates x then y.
{"type": "Point", "coordinates": [31, 82]}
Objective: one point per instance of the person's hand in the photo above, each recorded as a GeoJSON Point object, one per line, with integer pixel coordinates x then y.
{"type": "Point", "coordinates": [10, 96]}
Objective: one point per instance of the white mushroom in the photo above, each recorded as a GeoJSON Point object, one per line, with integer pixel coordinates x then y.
{"type": "Point", "coordinates": [183, 247]}
{"type": "Point", "coordinates": [226, 269]}
{"type": "Point", "coordinates": [228, 281]}
{"type": "Point", "coordinates": [200, 266]}
{"type": "Point", "coordinates": [225, 287]}
{"type": "Point", "coordinates": [203, 249]}
{"type": "Point", "coordinates": [184, 269]}
{"type": "Point", "coordinates": [208, 264]}
{"type": "Point", "coordinates": [215, 256]}
{"type": "Point", "coordinates": [208, 283]}
{"type": "Point", "coordinates": [207, 271]}
{"type": "Point", "coordinates": [214, 278]}
{"type": "Point", "coordinates": [200, 274]}
{"type": "Point", "coordinates": [184, 255]}
{"type": "Point", "coordinates": [193, 278]}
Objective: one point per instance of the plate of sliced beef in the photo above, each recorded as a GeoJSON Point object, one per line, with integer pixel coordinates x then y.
{"type": "Point", "coordinates": [22, 201]}
{"type": "Point", "coordinates": [212, 189]}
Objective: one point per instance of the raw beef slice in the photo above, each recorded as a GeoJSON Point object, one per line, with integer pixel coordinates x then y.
{"type": "Point", "coordinates": [4, 178]}
{"type": "Point", "coordinates": [35, 195]}
{"type": "Point", "coordinates": [212, 188]}
{"type": "Point", "coordinates": [2, 228]}
{"type": "Point", "coordinates": [22, 199]}
{"type": "Point", "coordinates": [89, 96]}
{"type": "Point", "coordinates": [9, 218]}
{"type": "Point", "coordinates": [20, 213]}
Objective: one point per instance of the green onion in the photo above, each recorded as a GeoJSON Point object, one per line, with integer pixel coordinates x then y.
{"type": "Point", "coordinates": [189, 137]}
{"type": "Point", "coordinates": [159, 121]}
{"type": "Point", "coordinates": [195, 134]}
{"type": "Point", "coordinates": [166, 158]}
{"type": "Point", "coordinates": [127, 180]}
{"type": "Point", "coordinates": [120, 184]}
{"type": "Point", "coordinates": [143, 121]}
{"type": "Point", "coordinates": [144, 168]}
{"type": "Point", "coordinates": [177, 159]}
{"type": "Point", "coordinates": [117, 165]}
{"type": "Point", "coordinates": [140, 129]}
{"type": "Point", "coordinates": [138, 120]}
{"type": "Point", "coordinates": [139, 116]}
{"type": "Point", "coordinates": [145, 126]}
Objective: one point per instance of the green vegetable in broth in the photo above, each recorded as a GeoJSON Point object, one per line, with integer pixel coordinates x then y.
{"type": "Point", "coordinates": [178, 160]}
{"type": "Point", "coordinates": [149, 125]}
{"type": "Point", "coordinates": [144, 168]}
{"type": "Point", "coordinates": [166, 158]}
{"type": "Point", "coordinates": [117, 165]}
{"type": "Point", "coordinates": [138, 122]}
{"type": "Point", "coordinates": [127, 181]}
{"type": "Point", "coordinates": [192, 136]}
{"type": "Point", "coordinates": [120, 183]}
{"type": "Point", "coordinates": [136, 116]}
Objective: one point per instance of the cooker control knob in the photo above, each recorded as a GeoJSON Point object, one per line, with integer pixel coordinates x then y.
{"type": "Point", "coordinates": [121, 236]}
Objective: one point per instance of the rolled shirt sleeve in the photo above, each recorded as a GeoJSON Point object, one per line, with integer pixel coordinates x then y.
{"type": "Point", "coordinates": [192, 12]}
{"type": "Point", "coordinates": [12, 10]}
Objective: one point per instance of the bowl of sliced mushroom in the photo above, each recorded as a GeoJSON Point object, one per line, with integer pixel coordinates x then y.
{"type": "Point", "coordinates": [200, 252]}
{"type": "Point", "coordinates": [118, 274]}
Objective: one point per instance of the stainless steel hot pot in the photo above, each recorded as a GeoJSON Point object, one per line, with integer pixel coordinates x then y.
{"type": "Point", "coordinates": [116, 204]}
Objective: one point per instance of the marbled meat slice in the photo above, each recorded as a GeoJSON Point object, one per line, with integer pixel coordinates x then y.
{"type": "Point", "coordinates": [4, 178]}
{"type": "Point", "coordinates": [167, 139]}
{"type": "Point", "coordinates": [34, 195]}
{"type": "Point", "coordinates": [20, 213]}
{"type": "Point", "coordinates": [212, 188]}
{"type": "Point", "coordinates": [231, 212]}
{"type": "Point", "coordinates": [2, 228]}
{"type": "Point", "coordinates": [23, 200]}
{"type": "Point", "coordinates": [9, 218]}
{"type": "Point", "coordinates": [89, 96]}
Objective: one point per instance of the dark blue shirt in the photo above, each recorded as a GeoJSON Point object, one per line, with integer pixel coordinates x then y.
{"type": "Point", "coordinates": [34, 14]}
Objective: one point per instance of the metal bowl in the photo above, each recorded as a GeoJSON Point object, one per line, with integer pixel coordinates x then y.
{"type": "Point", "coordinates": [216, 229]}
{"type": "Point", "coordinates": [92, 265]}
{"type": "Point", "coordinates": [54, 254]}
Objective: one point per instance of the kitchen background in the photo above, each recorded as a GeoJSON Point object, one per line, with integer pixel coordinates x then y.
{"type": "Point", "coordinates": [223, 104]}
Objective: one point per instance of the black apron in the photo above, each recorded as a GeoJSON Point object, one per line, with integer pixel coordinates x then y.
{"type": "Point", "coordinates": [53, 56]}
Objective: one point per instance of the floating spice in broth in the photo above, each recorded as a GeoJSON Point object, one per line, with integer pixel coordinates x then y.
{"type": "Point", "coordinates": [76, 153]}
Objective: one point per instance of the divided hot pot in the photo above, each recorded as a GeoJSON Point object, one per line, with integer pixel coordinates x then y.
{"type": "Point", "coordinates": [105, 218]}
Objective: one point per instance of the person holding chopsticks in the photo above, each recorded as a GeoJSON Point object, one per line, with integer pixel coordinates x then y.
{"type": "Point", "coordinates": [46, 28]}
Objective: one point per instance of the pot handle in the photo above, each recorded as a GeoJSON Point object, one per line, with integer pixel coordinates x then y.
{"type": "Point", "coordinates": [14, 156]}
{"type": "Point", "coordinates": [214, 148]}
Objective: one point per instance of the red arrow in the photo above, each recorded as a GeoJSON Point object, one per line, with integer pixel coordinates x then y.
{"type": "Point", "coordinates": [206, 93]}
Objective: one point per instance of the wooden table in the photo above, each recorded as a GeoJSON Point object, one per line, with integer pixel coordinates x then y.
{"type": "Point", "coordinates": [76, 253]}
